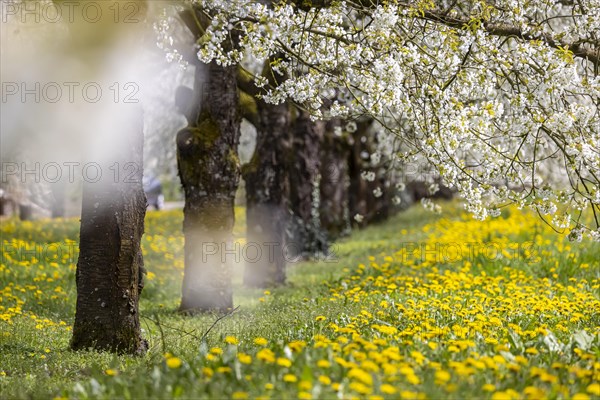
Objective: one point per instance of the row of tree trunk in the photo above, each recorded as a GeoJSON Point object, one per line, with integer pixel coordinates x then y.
{"type": "Point", "coordinates": [303, 187]}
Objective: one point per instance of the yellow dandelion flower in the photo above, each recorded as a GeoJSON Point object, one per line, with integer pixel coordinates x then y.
{"type": "Point", "coordinates": [488, 387]}
{"type": "Point", "coordinates": [216, 351]}
{"type": "Point", "coordinates": [284, 362]}
{"type": "Point", "coordinates": [442, 376]}
{"type": "Point", "coordinates": [244, 358]}
{"type": "Point", "coordinates": [580, 396]}
{"type": "Point", "coordinates": [260, 341]}
{"type": "Point", "coordinates": [266, 355]}
{"type": "Point", "coordinates": [594, 389]}
{"type": "Point", "coordinates": [325, 380]}
{"type": "Point", "coordinates": [231, 340]}
{"type": "Point", "coordinates": [387, 389]}
{"type": "Point", "coordinates": [360, 388]}
{"type": "Point", "coordinates": [173, 362]}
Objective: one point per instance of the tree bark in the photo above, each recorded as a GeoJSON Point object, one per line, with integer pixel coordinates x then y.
{"type": "Point", "coordinates": [59, 194]}
{"type": "Point", "coordinates": [209, 171]}
{"type": "Point", "coordinates": [358, 188]}
{"type": "Point", "coordinates": [335, 151]}
{"type": "Point", "coordinates": [267, 190]}
{"type": "Point", "coordinates": [305, 237]}
{"type": "Point", "coordinates": [110, 265]}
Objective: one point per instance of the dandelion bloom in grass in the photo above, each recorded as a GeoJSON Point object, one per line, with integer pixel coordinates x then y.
{"type": "Point", "coordinates": [231, 340]}
{"type": "Point", "coordinates": [488, 387]}
{"type": "Point", "coordinates": [290, 378]}
{"type": "Point", "coordinates": [442, 376]}
{"type": "Point", "coordinates": [216, 350]}
{"type": "Point", "coordinates": [594, 389]}
{"type": "Point", "coordinates": [260, 341]}
{"type": "Point", "coordinates": [111, 372]}
{"type": "Point", "coordinates": [173, 362]}
{"type": "Point", "coordinates": [320, 318]}
{"type": "Point", "coordinates": [239, 395]}
{"type": "Point", "coordinates": [244, 358]}
{"type": "Point", "coordinates": [297, 345]}
{"type": "Point", "coordinates": [580, 396]}
{"type": "Point", "coordinates": [508, 394]}
{"type": "Point", "coordinates": [360, 388]}
{"type": "Point", "coordinates": [323, 364]}
{"type": "Point", "coordinates": [387, 389]}
{"type": "Point", "coordinates": [325, 380]}
{"type": "Point", "coordinates": [284, 362]}
{"type": "Point", "coordinates": [304, 395]}
{"type": "Point", "coordinates": [532, 350]}
{"type": "Point", "coordinates": [266, 355]}
{"type": "Point", "coordinates": [361, 375]}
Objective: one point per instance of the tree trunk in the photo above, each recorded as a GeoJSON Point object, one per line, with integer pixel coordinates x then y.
{"type": "Point", "coordinates": [266, 198]}
{"type": "Point", "coordinates": [59, 193]}
{"type": "Point", "coordinates": [209, 172]}
{"type": "Point", "coordinates": [334, 181]}
{"type": "Point", "coordinates": [305, 238]}
{"type": "Point", "coordinates": [358, 189]}
{"type": "Point", "coordinates": [110, 266]}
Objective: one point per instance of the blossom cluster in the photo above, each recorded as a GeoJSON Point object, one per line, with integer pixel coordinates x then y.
{"type": "Point", "coordinates": [501, 98]}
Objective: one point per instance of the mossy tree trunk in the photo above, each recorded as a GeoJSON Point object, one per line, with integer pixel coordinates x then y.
{"type": "Point", "coordinates": [110, 265]}
{"type": "Point", "coordinates": [305, 238]}
{"type": "Point", "coordinates": [334, 213]}
{"type": "Point", "coordinates": [267, 189]}
{"type": "Point", "coordinates": [209, 172]}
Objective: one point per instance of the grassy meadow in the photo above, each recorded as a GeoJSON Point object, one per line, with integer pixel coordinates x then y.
{"type": "Point", "coordinates": [423, 306]}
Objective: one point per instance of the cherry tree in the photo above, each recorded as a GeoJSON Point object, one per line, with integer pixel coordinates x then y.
{"type": "Point", "coordinates": [500, 97]}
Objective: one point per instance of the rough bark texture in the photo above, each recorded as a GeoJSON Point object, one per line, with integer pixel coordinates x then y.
{"type": "Point", "coordinates": [357, 162]}
{"type": "Point", "coordinates": [364, 202]}
{"type": "Point", "coordinates": [110, 265]}
{"type": "Point", "coordinates": [267, 190]}
{"type": "Point", "coordinates": [305, 238]}
{"type": "Point", "coordinates": [209, 172]}
{"type": "Point", "coordinates": [335, 151]}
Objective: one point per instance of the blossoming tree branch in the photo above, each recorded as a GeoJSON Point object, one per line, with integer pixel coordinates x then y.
{"type": "Point", "coordinates": [500, 97]}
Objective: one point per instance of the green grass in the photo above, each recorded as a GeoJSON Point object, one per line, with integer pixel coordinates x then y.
{"type": "Point", "coordinates": [374, 295]}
